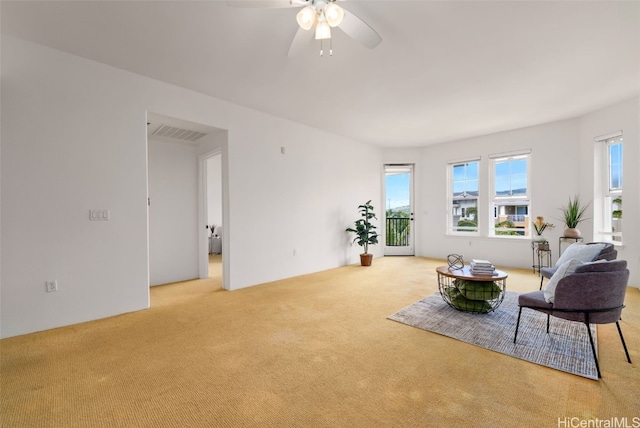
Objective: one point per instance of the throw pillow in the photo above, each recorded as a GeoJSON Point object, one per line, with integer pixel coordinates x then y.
{"type": "Point", "coordinates": [566, 268]}
{"type": "Point", "coordinates": [462, 303]}
{"type": "Point", "coordinates": [580, 251]}
{"type": "Point", "coordinates": [478, 290]}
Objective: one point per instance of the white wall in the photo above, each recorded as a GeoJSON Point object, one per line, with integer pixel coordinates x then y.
{"type": "Point", "coordinates": [562, 166]}
{"type": "Point", "coordinates": [173, 212]}
{"type": "Point", "coordinates": [74, 138]}
{"type": "Point", "coordinates": [70, 145]}
{"type": "Point", "coordinates": [298, 201]}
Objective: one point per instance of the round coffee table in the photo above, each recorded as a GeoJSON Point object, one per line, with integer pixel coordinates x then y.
{"type": "Point", "coordinates": [469, 292]}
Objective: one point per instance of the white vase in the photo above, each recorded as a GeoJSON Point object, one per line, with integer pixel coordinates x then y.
{"type": "Point", "coordinates": [539, 238]}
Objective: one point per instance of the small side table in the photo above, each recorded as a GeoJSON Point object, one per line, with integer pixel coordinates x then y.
{"type": "Point", "coordinates": [566, 239]}
{"type": "Point", "coordinates": [541, 255]}
{"type": "Point", "coordinates": [487, 296]}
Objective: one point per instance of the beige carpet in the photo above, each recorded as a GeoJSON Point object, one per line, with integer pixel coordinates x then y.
{"type": "Point", "coordinates": [311, 351]}
{"type": "Point", "coordinates": [565, 348]}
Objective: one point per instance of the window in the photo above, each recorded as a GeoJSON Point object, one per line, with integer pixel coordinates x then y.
{"type": "Point", "coordinates": [612, 210]}
{"type": "Point", "coordinates": [510, 194]}
{"type": "Point", "coordinates": [463, 197]}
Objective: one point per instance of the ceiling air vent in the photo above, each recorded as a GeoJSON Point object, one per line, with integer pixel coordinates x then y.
{"type": "Point", "coordinates": [178, 133]}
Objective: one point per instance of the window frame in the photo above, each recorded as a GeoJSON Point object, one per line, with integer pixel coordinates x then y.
{"type": "Point", "coordinates": [610, 193]}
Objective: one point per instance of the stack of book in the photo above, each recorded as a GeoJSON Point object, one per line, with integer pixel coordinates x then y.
{"type": "Point", "coordinates": [482, 267]}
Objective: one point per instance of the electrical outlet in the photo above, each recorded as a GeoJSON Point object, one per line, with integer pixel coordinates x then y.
{"type": "Point", "coordinates": [51, 285]}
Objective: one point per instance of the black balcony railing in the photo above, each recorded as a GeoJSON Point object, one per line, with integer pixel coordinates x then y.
{"type": "Point", "coordinates": [398, 229]}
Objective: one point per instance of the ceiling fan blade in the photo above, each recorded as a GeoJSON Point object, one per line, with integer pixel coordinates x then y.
{"type": "Point", "coordinates": [300, 41]}
{"type": "Point", "coordinates": [260, 3]}
{"type": "Point", "coordinates": [359, 30]}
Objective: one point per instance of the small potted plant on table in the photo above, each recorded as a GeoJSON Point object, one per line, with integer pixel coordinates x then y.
{"type": "Point", "coordinates": [365, 232]}
{"type": "Point", "coordinates": [539, 226]}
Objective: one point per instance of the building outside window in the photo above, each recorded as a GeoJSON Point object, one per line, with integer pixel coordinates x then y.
{"type": "Point", "coordinates": [510, 195]}
{"type": "Point", "coordinates": [463, 196]}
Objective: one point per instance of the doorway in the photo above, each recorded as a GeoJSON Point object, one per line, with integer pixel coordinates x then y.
{"type": "Point", "coordinates": [178, 232]}
{"type": "Point", "coordinates": [399, 218]}
{"type": "Point", "coordinates": [210, 258]}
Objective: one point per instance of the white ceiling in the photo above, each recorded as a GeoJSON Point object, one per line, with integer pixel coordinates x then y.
{"type": "Point", "coordinates": [445, 70]}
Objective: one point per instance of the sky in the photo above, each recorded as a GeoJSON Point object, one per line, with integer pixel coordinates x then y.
{"type": "Point", "coordinates": [397, 190]}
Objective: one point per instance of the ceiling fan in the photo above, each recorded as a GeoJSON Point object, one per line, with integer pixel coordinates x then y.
{"type": "Point", "coordinates": [324, 15]}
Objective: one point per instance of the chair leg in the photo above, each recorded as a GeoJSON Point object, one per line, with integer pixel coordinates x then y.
{"type": "Point", "coordinates": [517, 325]}
{"type": "Point", "coordinates": [541, 279]}
{"type": "Point", "coordinates": [593, 348]}
{"type": "Point", "coordinates": [548, 321]}
{"type": "Point", "coordinates": [624, 345]}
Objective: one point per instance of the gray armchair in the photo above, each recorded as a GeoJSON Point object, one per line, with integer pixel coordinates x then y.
{"type": "Point", "coordinates": [607, 253]}
{"type": "Point", "coordinates": [593, 294]}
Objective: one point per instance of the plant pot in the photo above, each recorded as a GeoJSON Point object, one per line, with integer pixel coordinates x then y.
{"type": "Point", "coordinates": [543, 246]}
{"type": "Point", "coordinates": [365, 259]}
{"type": "Point", "coordinates": [539, 238]}
{"type": "Point", "coordinates": [572, 233]}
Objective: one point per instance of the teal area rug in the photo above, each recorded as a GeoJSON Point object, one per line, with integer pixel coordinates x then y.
{"type": "Point", "coordinates": [565, 348]}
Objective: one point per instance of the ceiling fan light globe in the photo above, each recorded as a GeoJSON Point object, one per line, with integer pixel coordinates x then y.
{"type": "Point", "coordinates": [306, 17]}
{"type": "Point", "coordinates": [334, 14]}
{"type": "Point", "coordinates": [323, 31]}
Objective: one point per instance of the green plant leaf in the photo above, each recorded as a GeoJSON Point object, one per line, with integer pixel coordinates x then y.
{"type": "Point", "coordinates": [573, 213]}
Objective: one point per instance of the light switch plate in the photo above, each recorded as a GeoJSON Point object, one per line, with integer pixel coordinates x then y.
{"type": "Point", "coordinates": [98, 214]}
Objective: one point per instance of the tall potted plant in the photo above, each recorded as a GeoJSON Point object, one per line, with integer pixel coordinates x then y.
{"type": "Point", "coordinates": [365, 232]}
{"type": "Point", "coordinates": [572, 214]}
